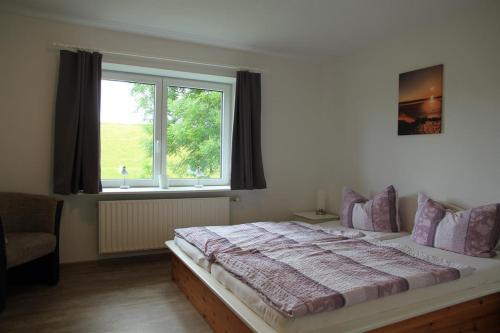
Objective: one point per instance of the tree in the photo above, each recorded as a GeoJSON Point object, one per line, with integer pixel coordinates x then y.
{"type": "Point", "coordinates": [193, 128]}
{"type": "Point", "coordinates": [144, 95]}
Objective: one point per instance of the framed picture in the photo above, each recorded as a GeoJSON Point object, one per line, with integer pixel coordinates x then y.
{"type": "Point", "coordinates": [420, 101]}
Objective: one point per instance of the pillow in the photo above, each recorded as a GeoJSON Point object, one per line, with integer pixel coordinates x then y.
{"type": "Point", "coordinates": [377, 214]}
{"type": "Point", "coordinates": [474, 232]}
{"type": "Point", "coordinates": [429, 214]}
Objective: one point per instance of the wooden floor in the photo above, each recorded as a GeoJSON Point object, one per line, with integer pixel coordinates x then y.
{"type": "Point", "coordinates": [131, 295]}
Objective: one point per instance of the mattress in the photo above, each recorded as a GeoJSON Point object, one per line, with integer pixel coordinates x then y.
{"type": "Point", "coordinates": [359, 317]}
{"type": "Point", "coordinates": [196, 255]}
{"type": "Point", "coordinates": [199, 258]}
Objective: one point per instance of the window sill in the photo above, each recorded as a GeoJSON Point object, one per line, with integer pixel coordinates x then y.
{"type": "Point", "coordinates": [153, 190]}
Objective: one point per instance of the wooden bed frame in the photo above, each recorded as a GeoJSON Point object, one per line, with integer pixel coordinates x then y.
{"type": "Point", "coordinates": [226, 315]}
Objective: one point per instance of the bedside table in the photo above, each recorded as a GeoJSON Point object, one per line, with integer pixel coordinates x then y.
{"type": "Point", "coordinates": [311, 217]}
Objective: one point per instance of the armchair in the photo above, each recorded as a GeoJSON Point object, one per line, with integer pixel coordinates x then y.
{"type": "Point", "coordinates": [29, 235]}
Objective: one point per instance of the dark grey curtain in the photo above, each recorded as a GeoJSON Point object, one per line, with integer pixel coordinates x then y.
{"type": "Point", "coordinates": [76, 138]}
{"type": "Point", "coordinates": [247, 171]}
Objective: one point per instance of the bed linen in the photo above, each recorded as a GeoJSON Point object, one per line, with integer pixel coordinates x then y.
{"type": "Point", "coordinates": [312, 276]}
{"type": "Point", "coordinates": [196, 255]}
{"type": "Point", "coordinates": [379, 235]}
{"type": "Point", "coordinates": [331, 226]}
{"type": "Point", "coordinates": [199, 243]}
{"type": "Point", "coordinates": [379, 213]}
{"type": "Point", "coordinates": [474, 232]}
{"type": "Point", "coordinates": [299, 269]}
{"type": "Point", "coordinates": [352, 318]}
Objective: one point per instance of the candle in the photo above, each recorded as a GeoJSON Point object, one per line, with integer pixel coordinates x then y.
{"type": "Point", "coordinates": [164, 181]}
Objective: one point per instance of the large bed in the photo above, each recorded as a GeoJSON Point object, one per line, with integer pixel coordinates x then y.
{"type": "Point", "coordinates": [229, 305]}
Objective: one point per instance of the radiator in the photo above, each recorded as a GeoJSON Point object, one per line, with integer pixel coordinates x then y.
{"type": "Point", "coordinates": [136, 225]}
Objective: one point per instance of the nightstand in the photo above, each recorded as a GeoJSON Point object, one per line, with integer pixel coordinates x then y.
{"type": "Point", "coordinates": [311, 217]}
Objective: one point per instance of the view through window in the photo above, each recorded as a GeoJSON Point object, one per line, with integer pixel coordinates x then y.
{"type": "Point", "coordinates": [127, 132]}
{"type": "Point", "coordinates": [193, 132]}
{"type": "Point", "coordinates": [164, 126]}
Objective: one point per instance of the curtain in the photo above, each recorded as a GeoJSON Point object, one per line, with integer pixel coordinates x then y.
{"type": "Point", "coordinates": [247, 171]}
{"type": "Point", "coordinates": [76, 134]}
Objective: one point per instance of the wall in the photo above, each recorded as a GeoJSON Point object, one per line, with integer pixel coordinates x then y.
{"type": "Point", "coordinates": [290, 126]}
{"type": "Point", "coordinates": [461, 165]}
{"type": "Point", "coordinates": [328, 125]}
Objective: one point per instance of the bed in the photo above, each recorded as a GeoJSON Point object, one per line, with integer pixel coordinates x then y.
{"type": "Point", "coordinates": [230, 305]}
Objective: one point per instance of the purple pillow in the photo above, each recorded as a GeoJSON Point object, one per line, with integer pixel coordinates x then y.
{"type": "Point", "coordinates": [473, 232]}
{"type": "Point", "coordinates": [376, 214]}
{"type": "Point", "coordinates": [429, 214]}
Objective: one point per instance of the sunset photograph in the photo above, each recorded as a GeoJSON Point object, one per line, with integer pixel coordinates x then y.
{"type": "Point", "coordinates": [420, 101]}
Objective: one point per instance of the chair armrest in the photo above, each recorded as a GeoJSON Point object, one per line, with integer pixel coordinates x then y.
{"type": "Point", "coordinates": [57, 220]}
{"type": "Point", "coordinates": [29, 213]}
{"type": "Point", "coordinates": [3, 251]}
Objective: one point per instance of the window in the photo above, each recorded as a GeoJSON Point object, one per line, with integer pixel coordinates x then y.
{"type": "Point", "coordinates": [156, 125]}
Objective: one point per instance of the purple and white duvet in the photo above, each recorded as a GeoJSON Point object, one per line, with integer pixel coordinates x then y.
{"type": "Point", "coordinates": [299, 269]}
{"type": "Point", "coordinates": [216, 239]}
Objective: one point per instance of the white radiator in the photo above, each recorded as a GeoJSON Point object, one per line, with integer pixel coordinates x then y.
{"type": "Point", "coordinates": [134, 225]}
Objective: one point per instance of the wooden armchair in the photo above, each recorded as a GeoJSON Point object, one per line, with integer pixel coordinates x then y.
{"type": "Point", "coordinates": [29, 235]}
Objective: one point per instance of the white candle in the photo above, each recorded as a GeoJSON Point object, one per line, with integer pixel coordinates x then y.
{"type": "Point", "coordinates": [164, 181]}
{"type": "Point", "coordinates": [320, 200]}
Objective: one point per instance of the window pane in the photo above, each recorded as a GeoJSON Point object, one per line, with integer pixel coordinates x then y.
{"type": "Point", "coordinates": [194, 133]}
{"type": "Point", "coordinates": [127, 131]}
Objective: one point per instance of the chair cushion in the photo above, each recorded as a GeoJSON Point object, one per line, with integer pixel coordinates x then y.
{"type": "Point", "coordinates": [26, 246]}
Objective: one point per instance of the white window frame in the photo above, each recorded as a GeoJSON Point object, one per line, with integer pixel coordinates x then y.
{"type": "Point", "coordinates": [225, 128]}
{"type": "Point", "coordinates": [160, 148]}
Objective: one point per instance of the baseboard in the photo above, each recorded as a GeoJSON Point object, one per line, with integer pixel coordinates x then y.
{"type": "Point", "coordinates": [123, 258]}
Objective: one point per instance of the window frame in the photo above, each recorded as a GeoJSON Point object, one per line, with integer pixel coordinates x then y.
{"type": "Point", "coordinates": [225, 129]}
{"type": "Point", "coordinates": [160, 148]}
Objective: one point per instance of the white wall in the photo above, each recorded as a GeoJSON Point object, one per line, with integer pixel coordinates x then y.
{"type": "Point", "coordinates": [28, 86]}
{"type": "Point", "coordinates": [328, 125]}
{"type": "Point", "coordinates": [461, 165]}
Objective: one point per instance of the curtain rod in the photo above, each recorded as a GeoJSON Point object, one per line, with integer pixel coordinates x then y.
{"type": "Point", "coordinates": [64, 46]}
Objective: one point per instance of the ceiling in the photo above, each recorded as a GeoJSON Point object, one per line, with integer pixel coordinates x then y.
{"type": "Point", "coordinates": [302, 28]}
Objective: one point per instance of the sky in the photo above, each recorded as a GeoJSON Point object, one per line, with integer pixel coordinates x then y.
{"type": "Point", "coordinates": [117, 104]}
{"type": "Point", "coordinates": [421, 84]}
